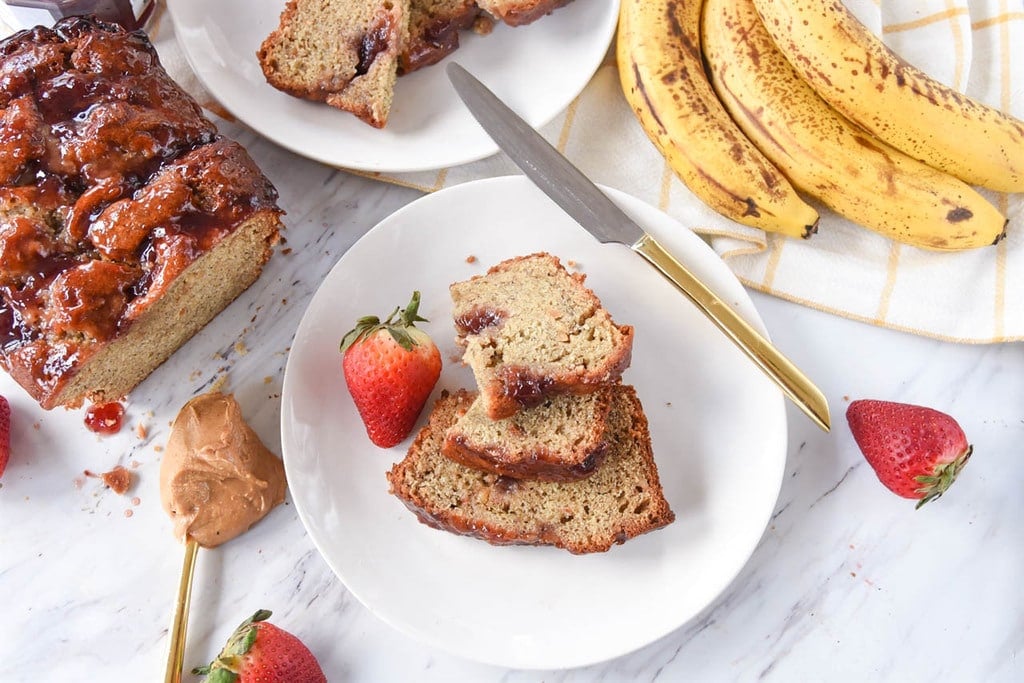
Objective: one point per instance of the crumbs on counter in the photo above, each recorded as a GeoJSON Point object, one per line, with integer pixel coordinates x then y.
{"type": "Point", "coordinates": [141, 430]}
{"type": "Point", "coordinates": [240, 348]}
{"type": "Point", "coordinates": [268, 379]}
{"type": "Point", "coordinates": [471, 259]}
{"type": "Point", "coordinates": [118, 480]}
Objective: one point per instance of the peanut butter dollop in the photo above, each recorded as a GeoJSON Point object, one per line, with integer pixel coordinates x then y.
{"type": "Point", "coordinates": [217, 478]}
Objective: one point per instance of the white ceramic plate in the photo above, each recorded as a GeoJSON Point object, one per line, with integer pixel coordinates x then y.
{"type": "Point", "coordinates": [718, 430]}
{"type": "Point", "coordinates": [537, 69]}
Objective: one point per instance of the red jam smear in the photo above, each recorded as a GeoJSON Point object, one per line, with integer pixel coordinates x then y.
{"type": "Point", "coordinates": [477, 320]}
{"type": "Point", "coordinates": [105, 418]}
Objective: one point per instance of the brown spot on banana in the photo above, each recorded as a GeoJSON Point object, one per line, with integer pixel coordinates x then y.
{"type": "Point", "coordinates": [960, 214]}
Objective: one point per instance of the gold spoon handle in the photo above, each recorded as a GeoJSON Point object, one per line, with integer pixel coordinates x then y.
{"type": "Point", "coordinates": [176, 655]}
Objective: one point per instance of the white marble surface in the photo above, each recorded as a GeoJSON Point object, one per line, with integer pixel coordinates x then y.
{"type": "Point", "coordinates": [849, 583]}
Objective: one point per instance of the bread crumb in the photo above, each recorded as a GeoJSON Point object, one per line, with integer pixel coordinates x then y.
{"type": "Point", "coordinates": [128, 512]}
{"type": "Point", "coordinates": [483, 26]}
{"type": "Point", "coordinates": [268, 379]}
{"type": "Point", "coordinates": [141, 431]}
{"type": "Point", "coordinates": [158, 449]}
{"type": "Point", "coordinates": [117, 480]}
{"type": "Point", "coordinates": [219, 383]}
{"type": "Point", "coordinates": [471, 259]}
{"type": "Point", "coordinates": [240, 348]}
{"type": "Point", "coordinates": [136, 500]}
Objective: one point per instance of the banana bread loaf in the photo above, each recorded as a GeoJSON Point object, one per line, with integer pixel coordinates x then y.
{"type": "Point", "coordinates": [620, 500]}
{"type": "Point", "coordinates": [530, 329]}
{"type": "Point", "coordinates": [342, 52]}
{"type": "Point", "coordinates": [564, 438]}
{"type": "Point", "coordinates": [126, 221]}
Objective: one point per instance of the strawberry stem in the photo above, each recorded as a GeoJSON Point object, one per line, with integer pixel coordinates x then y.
{"type": "Point", "coordinates": [934, 485]}
{"type": "Point", "coordinates": [407, 318]}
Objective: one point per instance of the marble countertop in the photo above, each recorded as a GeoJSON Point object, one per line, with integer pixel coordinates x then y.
{"type": "Point", "coordinates": [848, 582]}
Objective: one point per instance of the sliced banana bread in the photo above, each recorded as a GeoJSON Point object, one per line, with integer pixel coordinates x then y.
{"type": "Point", "coordinates": [530, 329]}
{"type": "Point", "coordinates": [520, 12]}
{"type": "Point", "coordinates": [341, 52]}
{"type": "Point", "coordinates": [562, 439]}
{"type": "Point", "coordinates": [434, 28]}
{"type": "Point", "coordinates": [620, 500]}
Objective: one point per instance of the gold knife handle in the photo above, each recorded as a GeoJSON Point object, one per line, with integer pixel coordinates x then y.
{"type": "Point", "coordinates": [770, 360]}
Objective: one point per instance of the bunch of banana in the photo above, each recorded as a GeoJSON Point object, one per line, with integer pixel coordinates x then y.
{"type": "Point", "coordinates": [865, 81]}
{"type": "Point", "coordinates": [824, 154]}
{"type": "Point", "coordinates": [663, 78]}
{"type": "Point", "coordinates": [828, 108]}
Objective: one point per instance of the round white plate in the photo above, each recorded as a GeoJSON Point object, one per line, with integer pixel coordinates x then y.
{"type": "Point", "coordinates": [537, 69]}
{"type": "Point", "coordinates": [717, 425]}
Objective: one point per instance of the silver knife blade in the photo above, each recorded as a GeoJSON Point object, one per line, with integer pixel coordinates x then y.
{"type": "Point", "coordinates": [578, 196]}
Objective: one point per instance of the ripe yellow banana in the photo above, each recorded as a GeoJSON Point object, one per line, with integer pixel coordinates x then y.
{"type": "Point", "coordinates": [854, 71]}
{"type": "Point", "coordinates": [662, 75]}
{"type": "Point", "coordinates": [825, 155]}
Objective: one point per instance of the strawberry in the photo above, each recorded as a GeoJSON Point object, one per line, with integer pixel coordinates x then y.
{"type": "Point", "coordinates": [916, 452]}
{"type": "Point", "coordinates": [390, 368]}
{"type": "Point", "coordinates": [260, 652]}
{"type": "Point", "coordinates": [5, 434]}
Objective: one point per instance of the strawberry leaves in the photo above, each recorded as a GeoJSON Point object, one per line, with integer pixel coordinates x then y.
{"type": "Point", "coordinates": [398, 329]}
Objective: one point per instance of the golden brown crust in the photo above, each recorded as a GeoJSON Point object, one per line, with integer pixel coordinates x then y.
{"type": "Point", "coordinates": [113, 185]}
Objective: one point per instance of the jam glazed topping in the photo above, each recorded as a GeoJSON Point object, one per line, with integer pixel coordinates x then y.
{"type": "Point", "coordinates": [111, 183]}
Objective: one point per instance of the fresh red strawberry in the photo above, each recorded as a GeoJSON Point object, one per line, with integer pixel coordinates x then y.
{"type": "Point", "coordinates": [916, 452]}
{"type": "Point", "coordinates": [259, 652]}
{"type": "Point", "coordinates": [390, 367]}
{"type": "Point", "coordinates": [5, 434]}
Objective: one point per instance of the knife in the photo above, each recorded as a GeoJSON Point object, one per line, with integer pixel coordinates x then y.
{"type": "Point", "coordinates": [591, 208]}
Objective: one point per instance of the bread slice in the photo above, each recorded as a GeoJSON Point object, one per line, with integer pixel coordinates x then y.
{"type": "Point", "coordinates": [530, 329]}
{"type": "Point", "coordinates": [434, 28]}
{"type": "Point", "coordinates": [620, 500]}
{"type": "Point", "coordinates": [562, 439]}
{"type": "Point", "coordinates": [126, 221]}
{"type": "Point", "coordinates": [342, 52]}
{"type": "Point", "coordinates": [520, 12]}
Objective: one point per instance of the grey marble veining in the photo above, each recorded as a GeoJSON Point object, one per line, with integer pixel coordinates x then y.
{"type": "Point", "coordinates": [848, 583]}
